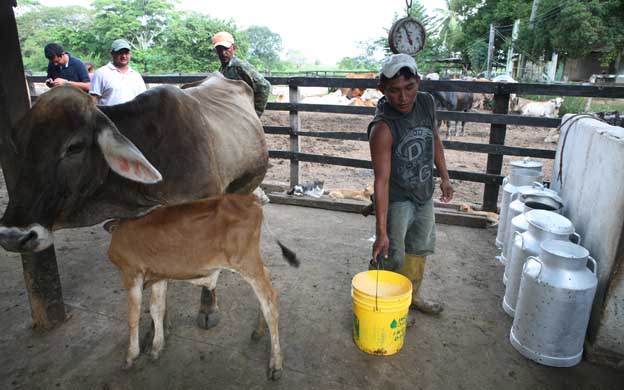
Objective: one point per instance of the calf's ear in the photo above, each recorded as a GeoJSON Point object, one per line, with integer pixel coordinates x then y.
{"type": "Point", "coordinates": [124, 157]}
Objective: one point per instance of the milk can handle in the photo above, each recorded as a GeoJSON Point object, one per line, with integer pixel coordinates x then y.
{"type": "Point", "coordinates": [514, 196]}
{"type": "Point", "coordinates": [577, 237]}
{"type": "Point", "coordinates": [516, 235]}
{"type": "Point", "coordinates": [534, 259]}
{"type": "Point", "coordinates": [505, 180]}
{"type": "Point", "coordinates": [538, 185]}
{"type": "Point", "coordinates": [594, 268]}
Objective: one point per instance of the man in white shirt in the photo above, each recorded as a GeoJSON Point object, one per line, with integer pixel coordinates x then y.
{"type": "Point", "coordinates": [116, 82]}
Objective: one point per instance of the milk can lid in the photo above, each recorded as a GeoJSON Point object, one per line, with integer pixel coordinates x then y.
{"type": "Point", "coordinates": [564, 249]}
{"type": "Point", "coordinates": [526, 164]}
{"type": "Point", "coordinates": [549, 221]}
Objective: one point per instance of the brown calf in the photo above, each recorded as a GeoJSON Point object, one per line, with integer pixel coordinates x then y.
{"type": "Point", "coordinates": [192, 241]}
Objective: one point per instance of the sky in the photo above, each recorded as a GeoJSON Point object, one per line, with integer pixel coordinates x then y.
{"type": "Point", "coordinates": [323, 30]}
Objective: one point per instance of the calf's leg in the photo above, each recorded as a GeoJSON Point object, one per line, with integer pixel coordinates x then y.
{"type": "Point", "coordinates": [209, 315]}
{"type": "Point", "coordinates": [261, 284]}
{"type": "Point", "coordinates": [158, 307]}
{"type": "Point", "coordinates": [135, 289]}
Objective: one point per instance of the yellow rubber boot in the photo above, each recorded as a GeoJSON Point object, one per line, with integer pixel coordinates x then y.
{"type": "Point", "coordinates": [414, 268]}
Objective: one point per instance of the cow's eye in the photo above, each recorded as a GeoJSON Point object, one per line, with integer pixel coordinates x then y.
{"type": "Point", "coordinates": [75, 148]}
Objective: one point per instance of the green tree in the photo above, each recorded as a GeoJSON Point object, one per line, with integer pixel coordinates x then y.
{"type": "Point", "coordinates": [140, 22]}
{"type": "Point", "coordinates": [575, 28]}
{"type": "Point", "coordinates": [264, 47]}
{"type": "Point", "coordinates": [186, 44]}
{"type": "Point", "coordinates": [67, 26]}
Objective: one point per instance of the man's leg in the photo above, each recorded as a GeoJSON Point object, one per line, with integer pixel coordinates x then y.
{"type": "Point", "coordinates": [420, 242]}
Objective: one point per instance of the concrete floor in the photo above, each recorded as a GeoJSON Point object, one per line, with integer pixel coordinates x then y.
{"type": "Point", "coordinates": [465, 348]}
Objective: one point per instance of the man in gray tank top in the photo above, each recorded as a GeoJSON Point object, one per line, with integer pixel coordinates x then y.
{"type": "Point", "coordinates": [405, 145]}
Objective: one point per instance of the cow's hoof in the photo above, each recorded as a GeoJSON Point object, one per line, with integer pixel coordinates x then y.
{"type": "Point", "coordinates": [127, 365]}
{"type": "Point", "coordinates": [257, 335]}
{"type": "Point", "coordinates": [154, 355]}
{"type": "Point", "coordinates": [275, 373]}
{"type": "Point", "coordinates": [208, 320]}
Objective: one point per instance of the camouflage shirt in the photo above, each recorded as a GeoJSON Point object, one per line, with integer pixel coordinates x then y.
{"type": "Point", "coordinates": [238, 69]}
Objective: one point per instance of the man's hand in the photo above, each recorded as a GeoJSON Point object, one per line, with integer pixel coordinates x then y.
{"type": "Point", "coordinates": [381, 246]}
{"type": "Point", "coordinates": [59, 81]}
{"type": "Point", "coordinates": [447, 191]}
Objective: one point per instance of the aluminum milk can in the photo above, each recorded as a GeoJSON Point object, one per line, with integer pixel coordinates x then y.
{"type": "Point", "coordinates": [505, 218]}
{"type": "Point", "coordinates": [557, 290]}
{"type": "Point", "coordinates": [527, 199]}
{"type": "Point", "coordinates": [517, 178]}
{"type": "Point", "coordinates": [542, 225]}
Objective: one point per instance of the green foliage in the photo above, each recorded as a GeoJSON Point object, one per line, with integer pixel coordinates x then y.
{"type": "Point", "coordinates": [40, 26]}
{"type": "Point", "coordinates": [186, 45]}
{"type": "Point", "coordinates": [264, 47]}
{"type": "Point", "coordinates": [163, 40]}
{"type": "Point", "coordinates": [572, 105]}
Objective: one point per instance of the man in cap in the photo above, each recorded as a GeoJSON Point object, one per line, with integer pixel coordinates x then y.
{"type": "Point", "coordinates": [236, 69]}
{"type": "Point", "coordinates": [63, 69]}
{"type": "Point", "coordinates": [116, 82]}
{"type": "Point", "coordinates": [405, 144]}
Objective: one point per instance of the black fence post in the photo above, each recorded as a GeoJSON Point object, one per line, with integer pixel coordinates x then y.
{"type": "Point", "coordinates": [497, 137]}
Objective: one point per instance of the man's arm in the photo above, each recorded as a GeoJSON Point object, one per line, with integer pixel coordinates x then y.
{"type": "Point", "coordinates": [440, 163]}
{"type": "Point", "coordinates": [261, 86]}
{"type": "Point", "coordinates": [381, 150]}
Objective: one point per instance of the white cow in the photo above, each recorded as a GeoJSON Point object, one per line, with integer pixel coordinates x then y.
{"type": "Point", "coordinates": [281, 92]}
{"type": "Point", "coordinates": [549, 109]}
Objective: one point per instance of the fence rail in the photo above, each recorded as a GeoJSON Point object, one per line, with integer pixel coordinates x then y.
{"type": "Point", "coordinates": [498, 119]}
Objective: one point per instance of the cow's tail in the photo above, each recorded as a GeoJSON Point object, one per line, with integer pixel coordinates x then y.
{"type": "Point", "coordinates": [289, 255]}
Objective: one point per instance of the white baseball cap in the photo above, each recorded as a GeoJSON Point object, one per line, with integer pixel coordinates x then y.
{"type": "Point", "coordinates": [395, 62]}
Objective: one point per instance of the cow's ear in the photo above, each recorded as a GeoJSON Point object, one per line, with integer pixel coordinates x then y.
{"type": "Point", "coordinates": [125, 158]}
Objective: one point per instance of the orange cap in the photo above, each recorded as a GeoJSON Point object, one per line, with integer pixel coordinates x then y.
{"type": "Point", "coordinates": [224, 39]}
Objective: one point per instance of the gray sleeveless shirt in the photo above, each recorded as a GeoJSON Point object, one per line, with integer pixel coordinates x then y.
{"type": "Point", "coordinates": [411, 171]}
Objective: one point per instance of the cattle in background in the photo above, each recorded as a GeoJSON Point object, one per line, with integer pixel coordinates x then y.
{"type": "Point", "coordinates": [281, 92]}
{"type": "Point", "coordinates": [351, 93]}
{"type": "Point", "coordinates": [187, 242]}
{"type": "Point", "coordinates": [453, 101]}
{"type": "Point", "coordinates": [432, 76]}
{"type": "Point", "coordinates": [80, 164]}
{"type": "Point", "coordinates": [548, 109]}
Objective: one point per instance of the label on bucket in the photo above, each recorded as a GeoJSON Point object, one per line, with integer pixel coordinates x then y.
{"type": "Point", "coordinates": [380, 338]}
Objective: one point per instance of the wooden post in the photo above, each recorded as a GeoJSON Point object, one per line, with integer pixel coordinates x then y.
{"type": "Point", "coordinates": [40, 269]}
{"type": "Point", "coordinates": [295, 125]}
{"type": "Point", "coordinates": [495, 162]}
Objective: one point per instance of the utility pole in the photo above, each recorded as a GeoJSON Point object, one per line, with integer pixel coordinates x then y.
{"type": "Point", "coordinates": [490, 52]}
{"type": "Point", "coordinates": [531, 21]}
{"type": "Point", "coordinates": [510, 52]}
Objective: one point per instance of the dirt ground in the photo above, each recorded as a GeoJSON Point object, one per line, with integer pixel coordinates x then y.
{"type": "Point", "coordinates": [346, 177]}
{"type": "Point", "coordinates": [466, 347]}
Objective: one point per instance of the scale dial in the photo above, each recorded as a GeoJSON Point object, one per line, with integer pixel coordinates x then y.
{"type": "Point", "coordinates": [407, 36]}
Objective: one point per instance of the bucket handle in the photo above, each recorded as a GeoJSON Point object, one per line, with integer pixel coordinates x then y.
{"type": "Point", "coordinates": [516, 235]}
{"type": "Point", "coordinates": [536, 259]}
{"type": "Point", "coordinates": [577, 237]}
{"type": "Point", "coordinates": [594, 267]}
{"type": "Point", "coordinates": [505, 181]}
{"type": "Point", "coordinates": [538, 185]}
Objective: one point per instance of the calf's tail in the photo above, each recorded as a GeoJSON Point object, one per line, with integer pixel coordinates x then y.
{"type": "Point", "coordinates": [289, 255]}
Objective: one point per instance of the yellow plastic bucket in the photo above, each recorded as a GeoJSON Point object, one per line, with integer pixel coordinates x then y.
{"type": "Point", "coordinates": [381, 301]}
